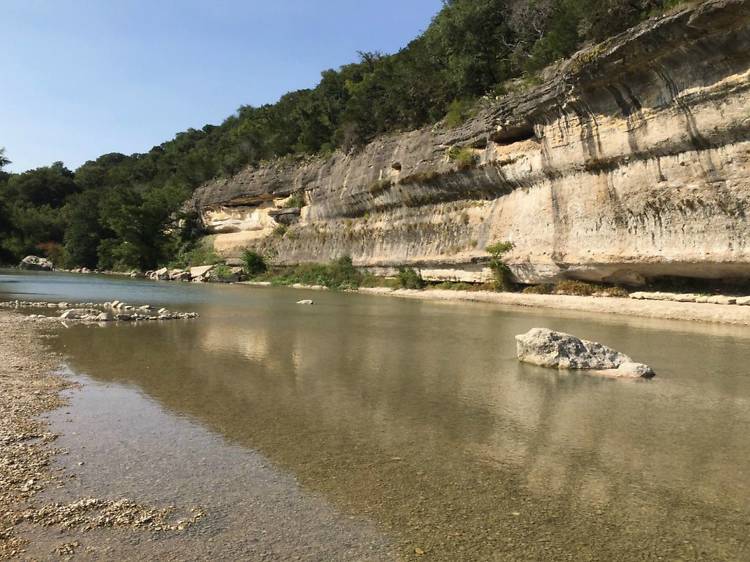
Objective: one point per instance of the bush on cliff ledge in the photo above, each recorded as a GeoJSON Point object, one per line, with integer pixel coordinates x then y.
{"type": "Point", "coordinates": [253, 263]}
{"type": "Point", "coordinates": [409, 278]}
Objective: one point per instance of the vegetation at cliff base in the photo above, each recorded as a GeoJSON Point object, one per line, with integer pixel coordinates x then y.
{"type": "Point", "coordinates": [124, 212]}
{"type": "Point", "coordinates": [339, 274]}
{"type": "Point", "coordinates": [502, 273]}
{"type": "Point", "coordinates": [253, 263]}
{"type": "Point", "coordinates": [409, 278]}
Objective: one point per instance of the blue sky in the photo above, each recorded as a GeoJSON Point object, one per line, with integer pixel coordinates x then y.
{"type": "Point", "coordinates": [81, 78]}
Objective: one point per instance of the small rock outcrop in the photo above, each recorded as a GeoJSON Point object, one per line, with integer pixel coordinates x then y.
{"type": "Point", "coordinates": [35, 263]}
{"type": "Point", "coordinates": [558, 350]}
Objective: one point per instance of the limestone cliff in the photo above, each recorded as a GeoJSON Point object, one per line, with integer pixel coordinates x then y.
{"type": "Point", "coordinates": [632, 160]}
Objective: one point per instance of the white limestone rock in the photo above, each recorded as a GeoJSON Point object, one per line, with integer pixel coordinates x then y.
{"type": "Point", "coordinates": [558, 350]}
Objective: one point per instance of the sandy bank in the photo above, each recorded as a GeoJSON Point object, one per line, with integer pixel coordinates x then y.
{"type": "Point", "coordinates": [665, 310]}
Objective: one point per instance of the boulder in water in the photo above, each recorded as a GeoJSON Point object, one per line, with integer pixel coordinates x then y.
{"type": "Point", "coordinates": [559, 350]}
{"type": "Point", "coordinates": [35, 263]}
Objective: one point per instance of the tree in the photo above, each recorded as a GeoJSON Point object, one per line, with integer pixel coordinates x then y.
{"type": "Point", "coordinates": [84, 232]}
{"type": "Point", "coordinates": [3, 159]}
{"type": "Point", "coordinates": [501, 271]}
{"type": "Point", "coordinates": [48, 185]}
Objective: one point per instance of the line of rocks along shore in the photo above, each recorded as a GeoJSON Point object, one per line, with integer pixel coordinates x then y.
{"type": "Point", "coordinates": [115, 311]}
{"type": "Point", "coordinates": [197, 274]}
{"type": "Point", "coordinates": [234, 273]}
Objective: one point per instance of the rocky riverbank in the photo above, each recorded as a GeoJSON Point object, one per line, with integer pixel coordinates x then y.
{"type": "Point", "coordinates": [115, 311]}
{"type": "Point", "coordinates": [29, 387]}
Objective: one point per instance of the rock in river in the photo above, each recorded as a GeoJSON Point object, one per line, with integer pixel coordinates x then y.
{"type": "Point", "coordinates": [35, 263]}
{"type": "Point", "coordinates": [305, 301]}
{"type": "Point", "coordinates": [559, 350]}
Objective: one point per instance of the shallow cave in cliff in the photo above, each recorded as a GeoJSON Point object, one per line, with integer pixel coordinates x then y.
{"type": "Point", "coordinates": [514, 133]}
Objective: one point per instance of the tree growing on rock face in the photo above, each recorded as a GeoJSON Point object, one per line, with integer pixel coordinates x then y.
{"type": "Point", "coordinates": [501, 271]}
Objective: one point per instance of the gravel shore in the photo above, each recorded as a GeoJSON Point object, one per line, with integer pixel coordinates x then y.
{"type": "Point", "coordinates": [29, 386]}
{"type": "Point", "coordinates": [663, 310]}
{"type": "Point", "coordinates": [27, 389]}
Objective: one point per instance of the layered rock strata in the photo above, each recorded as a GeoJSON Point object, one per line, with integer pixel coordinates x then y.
{"type": "Point", "coordinates": [631, 161]}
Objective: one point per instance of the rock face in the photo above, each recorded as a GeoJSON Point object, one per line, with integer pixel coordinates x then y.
{"type": "Point", "coordinates": [632, 161]}
{"type": "Point", "coordinates": [559, 350]}
{"type": "Point", "coordinates": [35, 263]}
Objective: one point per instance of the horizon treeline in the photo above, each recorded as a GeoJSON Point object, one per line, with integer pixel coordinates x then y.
{"type": "Point", "coordinates": [123, 212]}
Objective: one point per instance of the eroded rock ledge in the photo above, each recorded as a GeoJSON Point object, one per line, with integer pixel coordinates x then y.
{"type": "Point", "coordinates": [631, 162]}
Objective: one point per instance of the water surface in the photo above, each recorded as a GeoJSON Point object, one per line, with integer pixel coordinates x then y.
{"type": "Point", "coordinates": [364, 427]}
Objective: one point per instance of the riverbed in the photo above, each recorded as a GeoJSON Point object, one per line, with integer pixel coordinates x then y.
{"type": "Point", "coordinates": [368, 428]}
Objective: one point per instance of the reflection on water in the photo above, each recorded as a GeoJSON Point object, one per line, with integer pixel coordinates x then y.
{"type": "Point", "coordinates": [417, 417]}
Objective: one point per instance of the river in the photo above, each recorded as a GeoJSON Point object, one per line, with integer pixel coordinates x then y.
{"type": "Point", "coordinates": [368, 428]}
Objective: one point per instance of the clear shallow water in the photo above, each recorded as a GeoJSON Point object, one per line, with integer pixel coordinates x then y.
{"type": "Point", "coordinates": [388, 425]}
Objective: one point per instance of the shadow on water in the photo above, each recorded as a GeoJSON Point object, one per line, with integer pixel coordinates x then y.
{"type": "Point", "coordinates": [417, 417]}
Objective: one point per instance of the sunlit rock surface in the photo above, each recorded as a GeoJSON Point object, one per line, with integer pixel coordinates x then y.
{"type": "Point", "coordinates": [630, 162]}
{"type": "Point", "coordinates": [558, 350]}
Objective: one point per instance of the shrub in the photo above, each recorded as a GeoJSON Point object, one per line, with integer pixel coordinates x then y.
{"type": "Point", "coordinates": [343, 274]}
{"type": "Point", "coordinates": [503, 277]}
{"type": "Point", "coordinates": [464, 158]}
{"type": "Point", "coordinates": [339, 274]}
{"type": "Point", "coordinates": [222, 272]}
{"type": "Point", "coordinates": [456, 286]}
{"type": "Point", "coordinates": [280, 230]}
{"type": "Point", "coordinates": [253, 263]}
{"type": "Point", "coordinates": [200, 254]}
{"type": "Point", "coordinates": [379, 186]}
{"type": "Point", "coordinates": [427, 176]}
{"type": "Point", "coordinates": [575, 287]}
{"type": "Point", "coordinates": [543, 289]}
{"type": "Point", "coordinates": [409, 278]}
{"type": "Point", "coordinates": [53, 251]}
{"type": "Point", "coordinates": [296, 200]}
{"type": "Point", "coordinates": [584, 289]}
{"type": "Point", "coordinates": [617, 292]}
{"type": "Point", "coordinates": [370, 280]}
{"type": "Point", "coordinates": [460, 111]}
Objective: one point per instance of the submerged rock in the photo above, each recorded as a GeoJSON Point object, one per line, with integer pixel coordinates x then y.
{"type": "Point", "coordinates": [35, 263]}
{"type": "Point", "coordinates": [305, 301]}
{"type": "Point", "coordinates": [558, 350]}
